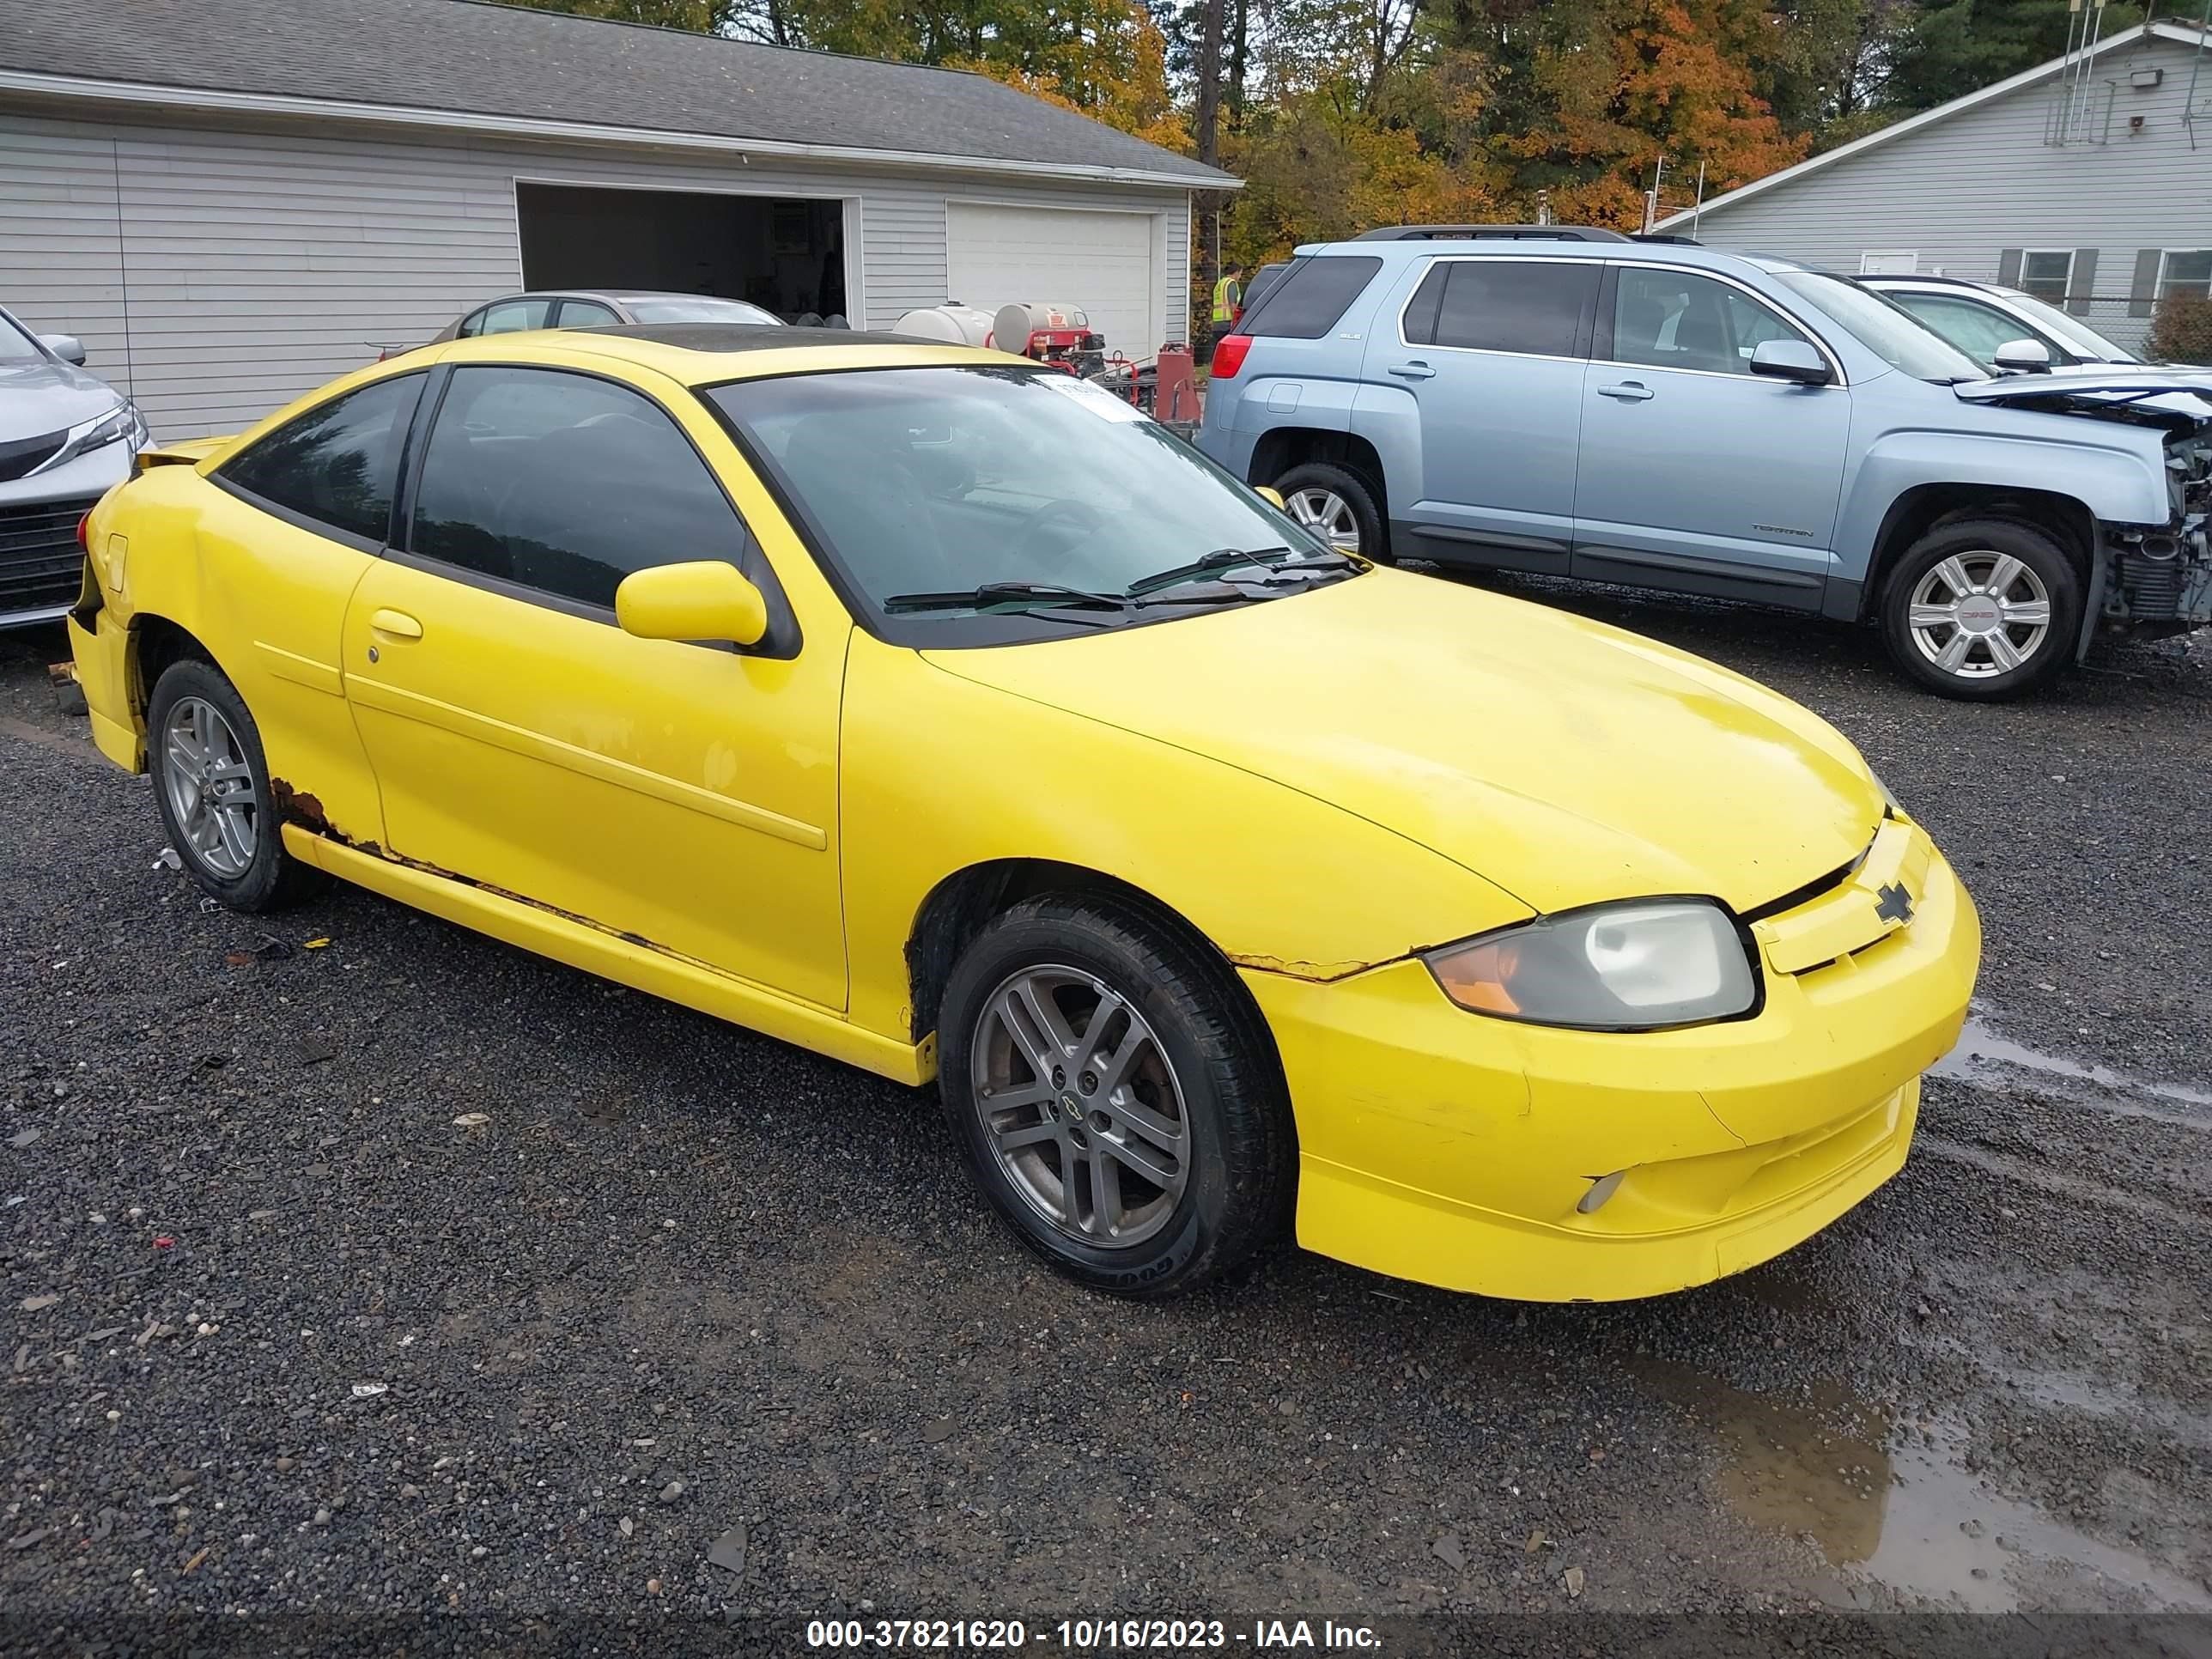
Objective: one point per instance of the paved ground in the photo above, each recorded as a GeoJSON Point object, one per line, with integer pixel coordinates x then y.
{"type": "Point", "coordinates": [277, 1333]}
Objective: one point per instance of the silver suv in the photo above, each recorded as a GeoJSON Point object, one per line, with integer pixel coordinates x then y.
{"type": "Point", "coordinates": [65, 437]}
{"type": "Point", "coordinates": [1577, 402]}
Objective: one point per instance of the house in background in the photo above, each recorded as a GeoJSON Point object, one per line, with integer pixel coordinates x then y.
{"type": "Point", "coordinates": [230, 203]}
{"type": "Point", "coordinates": [2087, 181]}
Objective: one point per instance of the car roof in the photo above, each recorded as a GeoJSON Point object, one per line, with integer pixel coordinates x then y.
{"type": "Point", "coordinates": [1687, 255]}
{"type": "Point", "coordinates": [1875, 278]}
{"type": "Point", "coordinates": [707, 354]}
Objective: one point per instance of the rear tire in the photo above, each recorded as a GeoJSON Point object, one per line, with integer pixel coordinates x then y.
{"type": "Point", "coordinates": [1336, 505]}
{"type": "Point", "coordinates": [211, 788]}
{"type": "Point", "coordinates": [1983, 609]}
{"type": "Point", "coordinates": [1080, 1036]}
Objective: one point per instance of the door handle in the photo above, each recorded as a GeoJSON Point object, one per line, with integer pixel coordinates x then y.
{"type": "Point", "coordinates": [1412, 371]}
{"type": "Point", "coordinates": [397, 624]}
{"type": "Point", "coordinates": [1628, 391]}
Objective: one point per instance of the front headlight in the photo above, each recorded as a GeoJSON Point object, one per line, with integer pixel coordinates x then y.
{"type": "Point", "coordinates": [1637, 966]}
{"type": "Point", "coordinates": [119, 424]}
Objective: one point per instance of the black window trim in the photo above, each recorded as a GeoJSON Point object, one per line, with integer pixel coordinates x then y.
{"type": "Point", "coordinates": [314, 526]}
{"type": "Point", "coordinates": [1601, 346]}
{"type": "Point", "coordinates": [784, 636]}
{"type": "Point", "coordinates": [1592, 306]}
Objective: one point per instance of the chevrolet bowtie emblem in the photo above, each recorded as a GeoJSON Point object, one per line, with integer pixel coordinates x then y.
{"type": "Point", "coordinates": [1893, 904]}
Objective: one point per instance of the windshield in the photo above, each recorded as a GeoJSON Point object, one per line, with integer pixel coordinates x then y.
{"type": "Point", "coordinates": [1891, 332]}
{"type": "Point", "coordinates": [926, 484]}
{"type": "Point", "coordinates": [2078, 337]}
{"type": "Point", "coordinates": [683, 310]}
{"type": "Point", "coordinates": [15, 346]}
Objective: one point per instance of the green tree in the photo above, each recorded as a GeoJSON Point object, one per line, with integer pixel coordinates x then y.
{"type": "Point", "coordinates": [697, 16]}
{"type": "Point", "coordinates": [1949, 48]}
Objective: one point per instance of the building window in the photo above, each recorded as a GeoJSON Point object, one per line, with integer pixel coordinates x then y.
{"type": "Point", "coordinates": [2047, 276]}
{"type": "Point", "coordinates": [2188, 274]}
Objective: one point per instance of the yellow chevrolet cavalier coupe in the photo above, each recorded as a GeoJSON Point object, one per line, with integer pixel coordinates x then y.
{"type": "Point", "coordinates": [933, 710]}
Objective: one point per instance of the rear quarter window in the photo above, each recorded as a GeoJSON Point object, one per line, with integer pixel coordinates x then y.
{"type": "Point", "coordinates": [1311, 298]}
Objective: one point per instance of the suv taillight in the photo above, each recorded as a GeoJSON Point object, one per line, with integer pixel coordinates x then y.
{"type": "Point", "coordinates": [1229, 355]}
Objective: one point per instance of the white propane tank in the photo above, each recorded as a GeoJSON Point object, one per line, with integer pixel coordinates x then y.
{"type": "Point", "coordinates": [1014, 326]}
{"type": "Point", "coordinates": [954, 325]}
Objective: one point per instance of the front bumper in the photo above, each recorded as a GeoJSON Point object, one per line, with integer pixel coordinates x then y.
{"type": "Point", "coordinates": [39, 516]}
{"type": "Point", "coordinates": [1445, 1147]}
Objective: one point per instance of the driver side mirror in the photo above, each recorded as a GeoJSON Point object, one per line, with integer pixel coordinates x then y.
{"type": "Point", "coordinates": [1272, 497]}
{"type": "Point", "coordinates": [2023, 357]}
{"type": "Point", "coordinates": [67, 347]}
{"type": "Point", "coordinates": [708, 599]}
{"type": "Point", "coordinates": [1791, 360]}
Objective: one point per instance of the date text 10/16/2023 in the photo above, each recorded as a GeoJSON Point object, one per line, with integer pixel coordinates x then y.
{"type": "Point", "coordinates": [1088, 1635]}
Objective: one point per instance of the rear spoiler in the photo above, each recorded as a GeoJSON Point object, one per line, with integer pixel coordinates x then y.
{"type": "Point", "coordinates": [190, 452]}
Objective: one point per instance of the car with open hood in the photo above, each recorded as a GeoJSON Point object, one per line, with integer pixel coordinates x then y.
{"type": "Point", "coordinates": [1672, 417]}
{"type": "Point", "coordinates": [938, 712]}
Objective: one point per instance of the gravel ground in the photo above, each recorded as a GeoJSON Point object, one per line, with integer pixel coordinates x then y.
{"type": "Point", "coordinates": [279, 1334]}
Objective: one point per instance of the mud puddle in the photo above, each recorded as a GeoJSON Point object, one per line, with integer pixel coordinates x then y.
{"type": "Point", "coordinates": [1897, 1503]}
{"type": "Point", "coordinates": [1981, 1049]}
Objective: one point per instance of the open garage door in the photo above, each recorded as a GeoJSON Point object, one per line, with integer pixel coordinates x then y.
{"type": "Point", "coordinates": [787, 254]}
{"type": "Point", "coordinates": [1100, 261]}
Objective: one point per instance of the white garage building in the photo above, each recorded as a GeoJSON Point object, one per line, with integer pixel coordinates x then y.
{"type": "Point", "coordinates": [230, 204]}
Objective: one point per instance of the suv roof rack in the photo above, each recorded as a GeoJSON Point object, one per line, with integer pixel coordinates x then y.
{"type": "Point", "coordinates": [1487, 233]}
{"type": "Point", "coordinates": [1665, 236]}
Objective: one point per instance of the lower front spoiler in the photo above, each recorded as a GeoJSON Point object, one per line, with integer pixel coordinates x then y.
{"type": "Point", "coordinates": [1775, 1196]}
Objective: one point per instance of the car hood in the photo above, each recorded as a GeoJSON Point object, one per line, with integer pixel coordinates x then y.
{"type": "Point", "coordinates": [2089, 381]}
{"type": "Point", "coordinates": [1562, 760]}
{"type": "Point", "coordinates": [38, 396]}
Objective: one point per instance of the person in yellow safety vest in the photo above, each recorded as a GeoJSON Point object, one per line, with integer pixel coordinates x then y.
{"type": "Point", "coordinates": [1228, 298]}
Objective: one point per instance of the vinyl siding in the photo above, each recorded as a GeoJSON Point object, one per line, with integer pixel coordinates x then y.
{"type": "Point", "coordinates": [216, 270]}
{"type": "Point", "coordinates": [1961, 190]}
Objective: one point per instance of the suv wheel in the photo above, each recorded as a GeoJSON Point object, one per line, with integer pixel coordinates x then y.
{"type": "Point", "coordinates": [211, 787]}
{"type": "Point", "coordinates": [1116, 1098]}
{"type": "Point", "coordinates": [1336, 505]}
{"type": "Point", "coordinates": [1983, 609]}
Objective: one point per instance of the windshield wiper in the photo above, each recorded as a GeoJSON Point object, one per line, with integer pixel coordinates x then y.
{"type": "Point", "coordinates": [1030, 594]}
{"type": "Point", "coordinates": [1228, 558]}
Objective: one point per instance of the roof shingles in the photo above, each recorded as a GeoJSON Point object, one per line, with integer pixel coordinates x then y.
{"type": "Point", "coordinates": [495, 60]}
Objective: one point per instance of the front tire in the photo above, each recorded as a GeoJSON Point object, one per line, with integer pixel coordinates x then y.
{"type": "Point", "coordinates": [1336, 505]}
{"type": "Point", "coordinates": [1117, 1097]}
{"type": "Point", "coordinates": [211, 787]}
{"type": "Point", "coordinates": [1983, 609]}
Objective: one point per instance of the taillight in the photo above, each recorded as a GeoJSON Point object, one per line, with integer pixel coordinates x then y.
{"type": "Point", "coordinates": [84, 535]}
{"type": "Point", "coordinates": [1229, 355]}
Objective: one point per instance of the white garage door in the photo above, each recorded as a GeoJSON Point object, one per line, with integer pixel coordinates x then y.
{"type": "Point", "coordinates": [1100, 261]}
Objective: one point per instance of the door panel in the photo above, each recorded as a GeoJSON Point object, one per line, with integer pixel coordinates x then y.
{"type": "Point", "coordinates": [1694, 473]}
{"type": "Point", "coordinates": [1488, 351]}
{"type": "Point", "coordinates": [682, 795]}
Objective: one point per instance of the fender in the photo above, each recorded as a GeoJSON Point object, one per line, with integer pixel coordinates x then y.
{"type": "Point", "coordinates": [1387, 418]}
{"type": "Point", "coordinates": [2117, 472]}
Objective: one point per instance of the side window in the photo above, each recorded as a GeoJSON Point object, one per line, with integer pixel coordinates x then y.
{"type": "Point", "coordinates": [512, 316]}
{"type": "Point", "coordinates": [1420, 324]}
{"type": "Point", "coordinates": [1679, 319]}
{"type": "Point", "coordinates": [1529, 306]}
{"type": "Point", "coordinates": [1976, 329]}
{"type": "Point", "coordinates": [1311, 297]}
{"type": "Point", "coordinates": [337, 464]}
{"type": "Point", "coordinates": [586, 313]}
{"type": "Point", "coordinates": [565, 483]}
{"type": "Point", "coordinates": [471, 326]}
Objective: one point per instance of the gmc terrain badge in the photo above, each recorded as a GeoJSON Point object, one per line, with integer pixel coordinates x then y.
{"type": "Point", "coordinates": [1893, 904]}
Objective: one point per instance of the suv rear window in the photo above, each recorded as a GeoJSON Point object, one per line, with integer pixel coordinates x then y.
{"type": "Point", "coordinates": [1529, 306]}
{"type": "Point", "coordinates": [1311, 297]}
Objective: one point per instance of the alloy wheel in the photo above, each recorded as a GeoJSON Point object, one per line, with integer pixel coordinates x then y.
{"type": "Point", "coordinates": [210, 785]}
{"type": "Point", "coordinates": [1080, 1106]}
{"type": "Point", "coordinates": [1978, 614]}
{"type": "Point", "coordinates": [1328, 515]}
